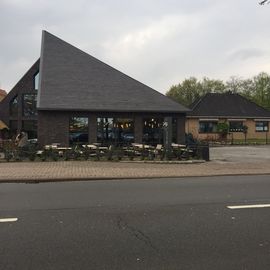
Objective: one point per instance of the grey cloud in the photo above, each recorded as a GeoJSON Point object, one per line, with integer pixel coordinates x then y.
{"type": "Point", "coordinates": [157, 42]}
{"type": "Point", "coordinates": [245, 54]}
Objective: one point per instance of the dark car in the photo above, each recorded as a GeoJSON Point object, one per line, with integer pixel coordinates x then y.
{"type": "Point", "coordinates": [78, 137]}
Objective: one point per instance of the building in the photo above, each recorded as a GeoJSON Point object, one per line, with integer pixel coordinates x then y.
{"type": "Point", "coordinates": [3, 93]}
{"type": "Point", "coordinates": [3, 126]}
{"type": "Point", "coordinates": [69, 96]}
{"type": "Point", "coordinates": [234, 109]}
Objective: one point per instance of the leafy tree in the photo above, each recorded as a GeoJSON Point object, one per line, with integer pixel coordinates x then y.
{"type": "Point", "coordinates": [262, 90]}
{"type": "Point", "coordinates": [256, 89]}
{"type": "Point", "coordinates": [213, 86]}
{"type": "Point", "coordinates": [247, 88]}
{"type": "Point", "coordinates": [191, 89]}
{"type": "Point", "coordinates": [185, 92]}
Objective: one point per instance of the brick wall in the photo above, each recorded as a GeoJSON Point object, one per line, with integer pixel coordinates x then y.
{"type": "Point", "coordinates": [53, 126]}
{"type": "Point", "coordinates": [192, 126]}
{"type": "Point", "coordinates": [24, 86]}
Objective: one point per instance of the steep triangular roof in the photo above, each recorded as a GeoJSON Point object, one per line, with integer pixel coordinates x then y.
{"type": "Point", "coordinates": [227, 105]}
{"type": "Point", "coordinates": [70, 79]}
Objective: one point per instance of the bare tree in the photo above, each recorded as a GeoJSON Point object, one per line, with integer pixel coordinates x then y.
{"type": "Point", "coordinates": [264, 2]}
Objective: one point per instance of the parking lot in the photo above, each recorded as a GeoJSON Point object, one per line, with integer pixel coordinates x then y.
{"type": "Point", "coordinates": [240, 154]}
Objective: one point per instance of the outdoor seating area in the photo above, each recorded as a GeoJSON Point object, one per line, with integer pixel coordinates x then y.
{"type": "Point", "coordinates": [99, 152]}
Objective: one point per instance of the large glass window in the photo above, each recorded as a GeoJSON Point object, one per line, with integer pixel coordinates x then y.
{"type": "Point", "coordinates": [207, 126]}
{"type": "Point", "coordinates": [115, 130]}
{"type": "Point", "coordinates": [13, 106]}
{"type": "Point", "coordinates": [29, 104]}
{"type": "Point", "coordinates": [261, 126]}
{"type": "Point", "coordinates": [236, 126]}
{"type": "Point", "coordinates": [78, 130]}
{"type": "Point", "coordinates": [30, 127]}
{"type": "Point", "coordinates": [124, 128]}
{"type": "Point", "coordinates": [36, 81]}
{"type": "Point", "coordinates": [105, 129]}
{"type": "Point", "coordinates": [153, 131]}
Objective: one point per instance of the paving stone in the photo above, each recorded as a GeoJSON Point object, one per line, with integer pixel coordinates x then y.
{"type": "Point", "coordinates": [76, 170]}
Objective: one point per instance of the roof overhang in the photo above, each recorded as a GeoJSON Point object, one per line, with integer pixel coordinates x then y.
{"type": "Point", "coordinates": [262, 120]}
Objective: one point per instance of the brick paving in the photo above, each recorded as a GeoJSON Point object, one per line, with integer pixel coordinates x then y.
{"type": "Point", "coordinates": [90, 170]}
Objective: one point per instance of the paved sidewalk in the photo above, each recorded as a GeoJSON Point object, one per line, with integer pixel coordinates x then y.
{"type": "Point", "coordinates": [90, 170]}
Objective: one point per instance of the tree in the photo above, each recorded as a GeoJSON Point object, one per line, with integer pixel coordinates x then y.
{"type": "Point", "coordinates": [234, 84]}
{"type": "Point", "coordinates": [248, 88]}
{"type": "Point", "coordinates": [256, 89]}
{"type": "Point", "coordinates": [262, 90]}
{"type": "Point", "coordinates": [212, 86]}
{"type": "Point", "coordinates": [191, 89]}
{"type": "Point", "coordinates": [185, 92]}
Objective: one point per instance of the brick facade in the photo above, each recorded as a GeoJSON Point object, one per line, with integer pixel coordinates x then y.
{"type": "Point", "coordinates": [53, 126]}
{"type": "Point", "coordinates": [24, 86]}
{"type": "Point", "coordinates": [192, 126]}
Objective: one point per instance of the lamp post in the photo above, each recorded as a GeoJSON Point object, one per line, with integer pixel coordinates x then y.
{"type": "Point", "coordinates": [167, 134]}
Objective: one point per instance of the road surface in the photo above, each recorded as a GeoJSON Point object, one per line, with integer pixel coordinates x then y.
{"type": "Point", "coordinates": [154, 224]}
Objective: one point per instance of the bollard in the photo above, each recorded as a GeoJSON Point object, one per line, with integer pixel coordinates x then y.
{"type": "Point", "coordinates": [205, 152]}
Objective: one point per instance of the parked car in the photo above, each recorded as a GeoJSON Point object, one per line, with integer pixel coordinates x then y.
{"type": "Point", "coordinates": [78, 137]}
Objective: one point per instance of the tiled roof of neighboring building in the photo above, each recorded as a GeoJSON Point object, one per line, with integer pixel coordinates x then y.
{"type": "Point", "coordinates": [70, 79]}
{"type": "Point", "coordinates": [2, 125]}
{"type": "Point", "coordinates": [3, 93]}
{"type": "Point", "coordinates": [226, 105]}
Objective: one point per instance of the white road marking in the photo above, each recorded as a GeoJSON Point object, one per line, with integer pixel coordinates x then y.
{"type": "Point", "coordinates": [247, 206]}
{"type": "Point", "coordinates": [8, 219]}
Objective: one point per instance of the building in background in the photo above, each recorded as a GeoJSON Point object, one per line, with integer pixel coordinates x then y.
{"type": "Point", "coordinates": [3, 126]}
{"type": "Point", "coordinates": [69, 96]}
{"type": "Point", "coordinates": [233, 109]}
{"type": "Point", "coordinates": [3, 93]}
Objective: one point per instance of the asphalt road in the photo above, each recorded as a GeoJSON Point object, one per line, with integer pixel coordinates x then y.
{"type": "Point", "coordinates": [136, 224]}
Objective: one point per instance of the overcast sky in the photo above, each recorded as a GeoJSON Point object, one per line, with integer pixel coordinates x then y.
{"type": "Point", "coordinates": [158, 42]}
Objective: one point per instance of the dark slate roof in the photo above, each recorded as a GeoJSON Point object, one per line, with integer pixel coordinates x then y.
{"type": "Point", "coordinates": [226, 105]}
{"type": "Point", "coordinates": [70, 79]}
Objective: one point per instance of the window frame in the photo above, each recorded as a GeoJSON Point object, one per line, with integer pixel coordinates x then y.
{"type": "Point", "coordinates": [208, 122]}
{"type": "Point", "coordinates": [11, 114]}
{"type": "Point", "coordinates": [119, 131]}
{"type": "Point", "coordinates": [34, 114]}
{"type": "Point", "coordinates": [236, 129]}
{"type": "Point", "coordinates": [267, 122]}
{"type": "Point", "coordinates": [82, 131]}
{"type": "Point", "coordinates": [36, 81]}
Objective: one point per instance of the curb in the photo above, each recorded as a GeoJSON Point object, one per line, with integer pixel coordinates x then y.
{"type": "Point", "coordinates": [84, 179]}
{"type": "Point", "coordinates": [197, 161]}
{"type": "Point", "coordinates": [194, 161]}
